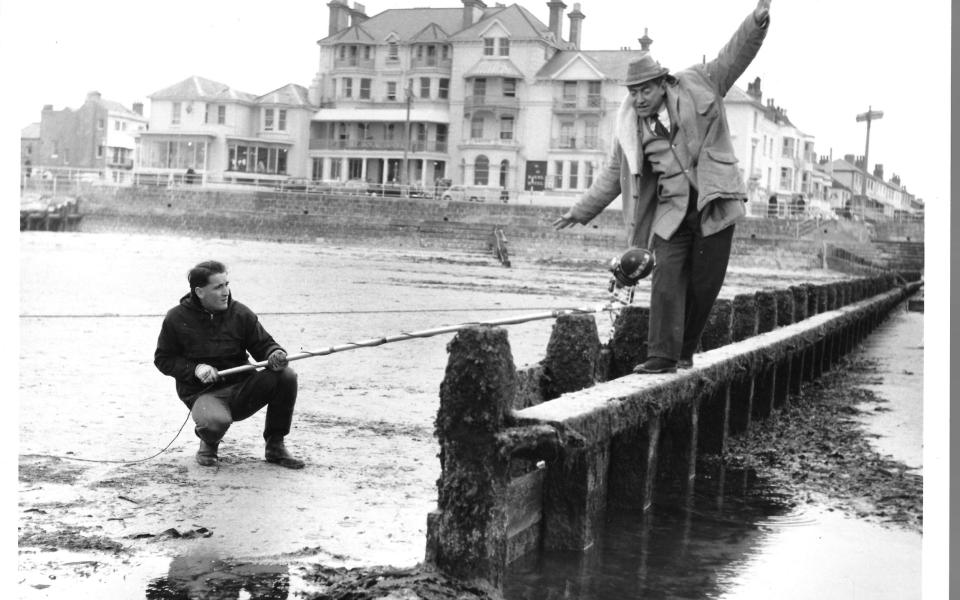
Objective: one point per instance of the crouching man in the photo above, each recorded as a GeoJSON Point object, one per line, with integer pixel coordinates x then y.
{"type": "Point", "coordinates": [209, 332]}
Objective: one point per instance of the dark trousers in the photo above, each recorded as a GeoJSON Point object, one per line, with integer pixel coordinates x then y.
{"type": "Point", "coordinates": [214, 411]}
{"type": "Point", "coordinates": [689, 273]}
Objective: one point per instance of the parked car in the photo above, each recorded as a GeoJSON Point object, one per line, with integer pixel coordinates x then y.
{"type": "Point", "coordinates": [461, 193]}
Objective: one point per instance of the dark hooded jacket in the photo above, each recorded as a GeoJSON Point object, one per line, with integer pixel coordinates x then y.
{"type": "Point", "coordinates": [192, 335]}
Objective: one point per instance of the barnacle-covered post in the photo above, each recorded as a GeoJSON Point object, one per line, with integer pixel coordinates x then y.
{"type": "Point", "coordinates": [467, 534]}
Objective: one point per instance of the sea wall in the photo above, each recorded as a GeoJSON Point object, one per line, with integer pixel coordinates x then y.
{"type": "Point", "coordinates": [404, 222]}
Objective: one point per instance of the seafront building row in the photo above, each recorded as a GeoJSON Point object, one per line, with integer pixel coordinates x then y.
{"type": "Point", "coordinates": [485, 97]}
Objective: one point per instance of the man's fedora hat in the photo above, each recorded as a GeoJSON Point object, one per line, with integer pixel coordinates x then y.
{"type": "Point", "coordinates": [644, 69]}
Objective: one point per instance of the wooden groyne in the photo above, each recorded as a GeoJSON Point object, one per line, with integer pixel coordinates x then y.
{"type": "Point", "coordinates": [50, 213]}
{"type": "Point", "coordinates": [532, 459]}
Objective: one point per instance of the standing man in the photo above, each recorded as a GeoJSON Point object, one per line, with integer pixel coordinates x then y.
{"type": "Point", "coordinates": [209, 332]}
{"type": "Point", "coordinates": [674, 165]}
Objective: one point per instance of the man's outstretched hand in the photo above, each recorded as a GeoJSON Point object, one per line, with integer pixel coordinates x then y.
{"type": "Point", "coordinates": [565, 220]}
{"type": "Point", "coordinates": [762, 12]}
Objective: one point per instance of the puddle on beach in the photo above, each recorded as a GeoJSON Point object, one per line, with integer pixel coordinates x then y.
{"type": "Point", "coordinates": [734, 537]}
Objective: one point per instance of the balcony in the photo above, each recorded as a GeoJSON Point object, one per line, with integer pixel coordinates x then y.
{"type": "Point", "coordinates": [353, 62]}
{"type": "Point", "coordinates": [472, 103]}
{"type": "Point", "coordinates": [577, 143]}
{"type": "Point", "coordinates": [588, 105]}
{"type": "Point", "coordinates": [431, 64]}
{"type": "Point", "coordinates": [395, 145]}
{"type": "Point", "coordinates": [489, 143]}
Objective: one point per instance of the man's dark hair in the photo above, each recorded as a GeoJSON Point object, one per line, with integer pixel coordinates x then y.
{"type": "Point", "coordinates": [199, 276]}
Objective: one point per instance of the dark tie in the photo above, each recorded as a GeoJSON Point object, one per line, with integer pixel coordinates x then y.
{"type": "Point", "coordinates": [658, 127]}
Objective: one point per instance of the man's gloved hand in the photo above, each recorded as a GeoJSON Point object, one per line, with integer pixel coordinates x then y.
{"type": "Point", "coordinates": [762, 12]}
{"type": "Point", "coordinates": [206, 373]}
{"type": "Point", "coordinates": [277, 360]}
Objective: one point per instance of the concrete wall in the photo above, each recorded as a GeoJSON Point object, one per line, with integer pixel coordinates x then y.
{"type": "Point", "coordinates": [407, 222]}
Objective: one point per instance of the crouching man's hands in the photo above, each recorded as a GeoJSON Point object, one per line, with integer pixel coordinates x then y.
{"type": "Point", "coordinates": [206, 373]}
{"type": "Point", "coordinates": [277, 360]}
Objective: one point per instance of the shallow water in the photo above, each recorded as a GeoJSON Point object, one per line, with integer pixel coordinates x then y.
{"type": "Point", "coordinates": [732, 537]}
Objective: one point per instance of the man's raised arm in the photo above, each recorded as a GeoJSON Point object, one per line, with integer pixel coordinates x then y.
{"type": "Point", "coordinates": [739, 52]}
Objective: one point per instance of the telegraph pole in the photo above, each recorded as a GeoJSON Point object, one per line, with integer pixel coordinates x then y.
{"type": "Point", "coordinates": [406, 134]}
{"type": "Point", "coordinates": [869, 116]}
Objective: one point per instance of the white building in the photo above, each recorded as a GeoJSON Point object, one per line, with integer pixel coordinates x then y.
{"type": "Point", "coordinates": [494, 98]}
{"type": "Point", "coordinates": [222, 134]}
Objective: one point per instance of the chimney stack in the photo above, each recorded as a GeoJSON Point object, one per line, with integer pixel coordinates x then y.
{"type": "Point", "coordinates": [753, 90]}
{"type": "Point", "coordinates": [645, 41]}
{"type": "Point", "coordinates": [138, 108]}
{"type": "Point", "coordinates": [878, 171]}
{"type": "Point", "coordinates": [556, 18]}
{"type": "Point", "coordinates": [576, 25]}
{"type": "Point", "coordinates": [94, 95]}
{"type": "Point", "coordinates": [472, 11]}
{"type": "Point", "coordinates": [358, 14]}
{"type": "Point", "coordinates": [339, 16]}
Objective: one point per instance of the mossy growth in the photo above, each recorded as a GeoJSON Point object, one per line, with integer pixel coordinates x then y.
{"type": "Point", "coordinates": [766, 311]}
{"type": "Point", "coordinates": [628, 344]}
{"type": "Point", "coordinates": [784, 307]}
{"type": "Point", "coordinates": [570, 363]}
{"type": "Point", "coordinates": [799, 302]}
{"type": "Point", "coordinates": [744, 317]}
{"type": "Point", "coordinates": [716, 333]}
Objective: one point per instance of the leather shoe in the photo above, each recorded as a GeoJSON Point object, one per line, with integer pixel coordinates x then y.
{"type": "Point", "coordinates": [277, 454]}
{"type": "Point", "coordinates": [207, 454]}
{"type": "Point", "coordinates": [684, 363]}
{"type": "Point", "coordinates": [656, 365]}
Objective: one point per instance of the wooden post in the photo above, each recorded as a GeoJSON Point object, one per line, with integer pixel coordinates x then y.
{"type": "Point", "coordinates": [628, 344]}
{"type": "Point", "coordinates": [572, 353]}
{"type": "Point", "coordinates": [766, 311]}
{"type": "Point", "coordinates": [575, 498]}
{"type": "Point", "coordinates": [799, 302]}
{"type": "Point", "coordinates": [467, 534]}
{"type": "Point", "coordinates": [785, 309]}
{"type": "Point", "coordinates": [633, 466]}
{"type": "Point", "coordinates": [741, 402]}
{"type": "Point", "coordinates": [714, 421]}
{"type": "Point", "coordinates": [744, 324]}
{"type": "Point", "coordinates": [764, 390]}
{"type": "Point", "coordinates": [717, 332]}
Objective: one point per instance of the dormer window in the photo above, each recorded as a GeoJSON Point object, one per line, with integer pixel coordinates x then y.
{"type": "Point", "coordinates": [496, 46]}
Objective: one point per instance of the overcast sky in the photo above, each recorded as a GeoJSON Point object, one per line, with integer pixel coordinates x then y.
{"type": "Point", "coordinates": [823, 61]}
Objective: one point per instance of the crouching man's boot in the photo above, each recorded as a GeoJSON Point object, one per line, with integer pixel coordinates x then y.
{"type": "Point", "coordinates": [277, 453]}
{"type": "Point", "coordinates": [207, 454]}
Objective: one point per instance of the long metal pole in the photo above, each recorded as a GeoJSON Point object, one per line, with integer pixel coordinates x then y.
{"type": "Point", "coordinates": [424, 333]}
